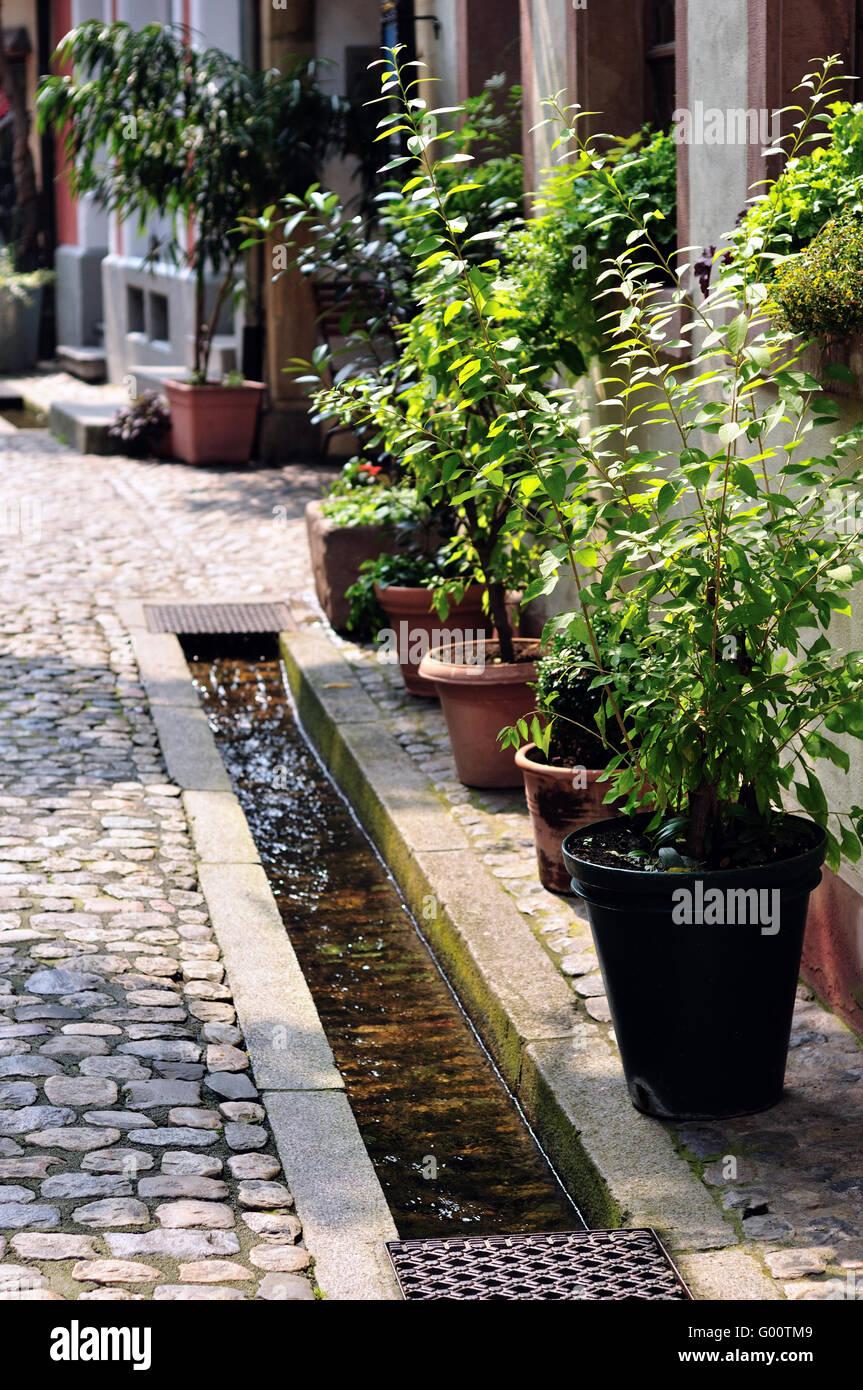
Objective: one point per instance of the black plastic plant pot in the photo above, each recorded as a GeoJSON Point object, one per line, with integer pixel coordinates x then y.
{"type": "Point", "coordinates": [701, 1007]}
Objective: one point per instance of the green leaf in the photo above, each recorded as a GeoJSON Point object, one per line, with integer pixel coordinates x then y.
{"type": "Point", "coordinates": [730, 432]}
{"type": "Point", "coordinates": [474, 366]}
{"type": "Point", "coordinates": [745, 480]}
{"type": "Point", "coordinates": [736, 334]}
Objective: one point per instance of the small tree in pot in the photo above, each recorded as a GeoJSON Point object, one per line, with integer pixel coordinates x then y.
{"type": "Point", "coordinates": [156, 127]}
{"type": "Point", "coordinates": [562, 770]}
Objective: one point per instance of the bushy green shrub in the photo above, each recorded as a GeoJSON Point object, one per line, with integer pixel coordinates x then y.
{"type": "Point", "coordinates": [564, 696]}
{"type": "Point", "coordinates": [553, 262]}
{"type": "Point", "coordinates": [364, 494]}
{"type": "Point", "coordinates": [819, 292]}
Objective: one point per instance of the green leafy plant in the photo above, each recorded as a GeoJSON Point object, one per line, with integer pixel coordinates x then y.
{"type": "Point", "coordinates": [817, 185]}
{"type": "Point", "coordinates": [153, 125]}
{"type": "Point", "coordinates": [819, 292]}
{"type": "Point", "coordinates": [366, 262]}
{"type": "Point", "coordinates": [552, 262]}
{"type": "Point", "coordinates": [569, 705]}
{"type": "Point", "coordinates": [707, 576]}
{"type": "Point", "coordinates": [379, 506]}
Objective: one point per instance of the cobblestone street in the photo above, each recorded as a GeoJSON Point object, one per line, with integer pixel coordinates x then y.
{"type": "Point", "coordinates": [135, 1158]}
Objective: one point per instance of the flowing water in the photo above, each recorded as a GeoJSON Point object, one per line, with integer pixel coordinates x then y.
{"type": "Point", "coordinates": [450, 1146]}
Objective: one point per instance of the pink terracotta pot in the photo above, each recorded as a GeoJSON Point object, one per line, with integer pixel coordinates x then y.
{"type": "Point", "coordinates": [557, 807]}
{"type": "Point", "coordinates": [419, 629]}
{"type": "Point", "coordinates": [478, 701]}
{"type": "Point", "coordinates": [214, 424]}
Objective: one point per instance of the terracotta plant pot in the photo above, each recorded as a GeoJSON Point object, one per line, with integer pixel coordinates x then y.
{"type": "Point", "coordinates": [557, 807]}
{"type": "Point", "coordinates": [336, 554]}
{"type": "Point", "coordinates": [419, 630]}
{"type": "Point", "coordinates": [214, 424]}
{"type": "Point", "coordinates": [478, 701]}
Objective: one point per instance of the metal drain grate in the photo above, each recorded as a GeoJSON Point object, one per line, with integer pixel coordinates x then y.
{"type": "Point", "coordinates": [192, 619]}
{"type": "Point", "coordinates": [576, 1265]}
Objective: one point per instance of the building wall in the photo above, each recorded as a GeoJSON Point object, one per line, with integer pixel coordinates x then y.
{"type": "Point", "coordinates": [545, 31]}
{"type": "Point", "coordinates": [717, 77]}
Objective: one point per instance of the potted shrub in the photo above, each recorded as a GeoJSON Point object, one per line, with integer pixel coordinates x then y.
{"type": "Point", "coordinates": [705, 582]}
{"type": "Point", "coordinates": [495, 302]}
{"type": "Point", "coordinates": [564, 783]}
{"type": "Point", "coordinates": [722, 578]}
{"type": "Point", "coordinates": [410, 602]}
{"type": "Point", "coordinates": [355, 522]}
{"type": "Point", "coordinates": [20, 314]}
{"type": "Point", "coordinates": [154, 126]}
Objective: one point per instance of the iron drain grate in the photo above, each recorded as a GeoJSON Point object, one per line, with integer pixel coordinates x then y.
{"type": "Point", "coordinates": [575, 1265]}
{"type": "Point", "coordinates": [192, 619]}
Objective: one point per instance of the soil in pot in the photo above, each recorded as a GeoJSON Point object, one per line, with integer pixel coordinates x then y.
{"type": "Point", "coordinates": [417, 629]}
{"type": "Point", "coordinates": [560, 800]}
{"type": "Point", "coordinates": [479, 699]}
{"type": "Point", "coordinates": [700, 966]}
{"type": "Point", "coordinates": [213, 423]}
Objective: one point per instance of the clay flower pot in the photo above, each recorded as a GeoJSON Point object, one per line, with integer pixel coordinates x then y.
{"type": "Point", "coordinates": [478, 701]}
{"type": "Point", "coordinates": [337, 552]}
{"type": "Point", "coordinates": [419, 630]}
{"type": "Point", "coordinates": [214, 424]}
{"type": "Point", "coordinates": [557, 806]}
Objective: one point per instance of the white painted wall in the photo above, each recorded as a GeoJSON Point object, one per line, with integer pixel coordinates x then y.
{"type": "Point", "coordinates": [442, 53]}
{"type": "Point", "coordinates": [549, 22]}
{"type": "Point", "coordinates": [718, 58]}
{"type": "Point", "coordinates": [338, 27]}
{"type": "Point", "coordinates": [215, 23]}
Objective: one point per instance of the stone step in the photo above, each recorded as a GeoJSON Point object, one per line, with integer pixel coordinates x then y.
{"type": "Point", "coordinates": [84, 425]}
{"type": "Point", "coordinates": [85, 363]}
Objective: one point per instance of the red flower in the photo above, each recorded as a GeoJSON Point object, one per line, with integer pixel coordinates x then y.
{"type": "Point", "coordinates": [372, 469]}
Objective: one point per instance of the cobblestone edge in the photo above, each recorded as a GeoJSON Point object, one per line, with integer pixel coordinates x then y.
{"type": "Point", "coordinates": [622, 1167]}
{"type": "Point", "coordinates": [315, 1132]}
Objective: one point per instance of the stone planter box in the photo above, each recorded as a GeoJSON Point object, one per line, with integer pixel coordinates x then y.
{"type": "Point", "coordinates": [337, 553]}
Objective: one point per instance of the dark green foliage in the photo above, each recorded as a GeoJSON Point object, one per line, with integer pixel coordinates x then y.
{"type": "Point", "coordinates": [565, 695]}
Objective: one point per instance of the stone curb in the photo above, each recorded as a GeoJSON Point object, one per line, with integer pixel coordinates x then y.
{"type": "Point", "coordinates": [338, 1197]}
{"type": "Point", "coordinates": [621, 1167]}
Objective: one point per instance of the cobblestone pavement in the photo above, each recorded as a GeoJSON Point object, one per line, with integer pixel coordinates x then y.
{"type": "Point", "coordinates": [135, 1159]}
{"type": "Point", "coordinates": [119, 1162]}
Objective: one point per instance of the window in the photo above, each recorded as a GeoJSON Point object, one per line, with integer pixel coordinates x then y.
{"type": "Point", "coordinates": [659, 37]}
{"type": "Point", "coordinates": [159, 318]}
{"type": "Point", "coordinates": [134, 310]}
